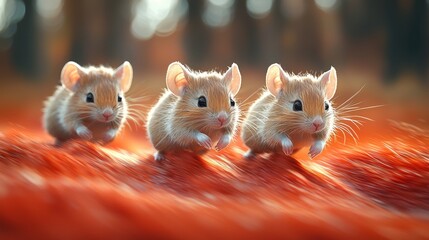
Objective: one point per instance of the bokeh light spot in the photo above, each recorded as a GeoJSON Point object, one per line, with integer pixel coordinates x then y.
{"type": "Point", "coordinates": [326, 5]}
{"type": "Point", "coordinates": [150, 17]}
{"type": "Point", "coordinates": [218, 13]}
{"type": "Point", "coordinates": [259, 9]}
{"type": "Point", "coordinates": [49, 9]}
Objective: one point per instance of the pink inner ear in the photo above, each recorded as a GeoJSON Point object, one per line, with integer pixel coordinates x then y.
{"type": "Point", "coordinates": [278, 84]}
{"type": "Point", "coordinates": [176, 78]}
{"type": "Point", "coordinates": [70, 75]}
{"type": "Point", "coordinates": [119, 72]}
{"type": "Point", "coordinates": [181, 81]}
{"type": "Point", "coordinates": [274, 80]}
{"type": "Point", "coordinates": [124, 74]}
{"type": "Point", "coordinates": [233, 77]}
{"type": "Point", "coordinates": [74, 76]}
{"type": "Point", "coordinates": [329, 82]}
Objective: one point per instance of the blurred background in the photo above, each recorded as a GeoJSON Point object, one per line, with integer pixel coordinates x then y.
{"type": "Point", "coordinates": [379, 45]}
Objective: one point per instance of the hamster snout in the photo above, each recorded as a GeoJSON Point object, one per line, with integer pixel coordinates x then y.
{"type": "Point", "coordinates": [317, 123]}
{"type": "Point", "coordinates": [222, 117]}
{"type": "Point", "coordinates": [220, 120]}
{"type": "Point", "coordinates": [106, 115]}
{"type": "Point", "coordinates": [313, 125]}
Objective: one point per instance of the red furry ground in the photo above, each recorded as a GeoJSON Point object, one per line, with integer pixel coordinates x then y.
{"type": "Point", "coordinates": [378, 190]}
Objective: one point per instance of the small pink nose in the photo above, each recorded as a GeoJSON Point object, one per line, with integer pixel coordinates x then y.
{"type": "Point", "coordinates": [222, 118]}
{"type": "Point", "coordinates": [107, 115]}
{"type": "Point", "coordinates": [317, 122]}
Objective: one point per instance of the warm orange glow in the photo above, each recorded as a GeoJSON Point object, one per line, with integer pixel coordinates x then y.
{"type": "Point", "coordinates": [84, 189]}
{"type": "Point", "coordinates": [370, 182]}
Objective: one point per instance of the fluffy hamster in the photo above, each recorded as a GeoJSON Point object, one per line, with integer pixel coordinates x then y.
{"type": "Point", "coordinates": [90, 104]}
{"type": "Point", "coordinates": [197, 110]}
{"type": "Point", "coordinates": [294, 112]}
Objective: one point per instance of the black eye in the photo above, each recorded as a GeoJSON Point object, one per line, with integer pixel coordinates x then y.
{"type": "Point", "coordinates": [232, 103]}
{"type": "Point", "coordinates": [326, 106]}
{"type": "Point", "coordinates": [202, 102]}
{"type": "Point", "coordinates": [89, 98]}
{"type": "Point", "coordinates": [119, 99]}
{"type": "Point", "coordinates": [297, 105]}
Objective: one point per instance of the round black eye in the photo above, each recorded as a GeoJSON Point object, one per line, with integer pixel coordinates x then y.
{"type": "Point", "coordinates": [89, 98]}
{"type": "Point", "coordinates": [326, 106]}
{"type": "Point", "coordinates": [119, 99]}
{"type": "Point", "coordinates": [232, 103]}
{"type": "Point", "coordinates": [297, 105]}
{"type": "Point", "coordinates": [202, 102]}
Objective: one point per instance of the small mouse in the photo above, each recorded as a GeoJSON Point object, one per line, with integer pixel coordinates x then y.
{"type": "Point", "coordinates": [197, 110]}
{"type": "Point", "coordinates": [293, 112]}
{"type": "Point", "coordinates": [90, 104]}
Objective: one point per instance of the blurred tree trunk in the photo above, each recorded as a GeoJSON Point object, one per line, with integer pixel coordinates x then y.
{"type": "Point", "coordinates": [246, 35]}
{"type": "Point", "coordinates": [97, 31]}
{"type": "Point", "coordinates": [25, 52]}
{"type": "Point", "coordinates": [197, 36]}
{"type": "Point", "coordinates": [118, 21]}
{"type": "Point", "coordinates": [279, 20]}
{"type": "Point", "coordinates": [407, 38]}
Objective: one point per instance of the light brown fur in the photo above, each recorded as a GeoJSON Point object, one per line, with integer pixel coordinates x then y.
{"type": "Point", "coordinates": [67, 110]}
{"type": "Point", "coordinates": [175, 122]}
{"type": "Point", "coordinates": [270, 117]}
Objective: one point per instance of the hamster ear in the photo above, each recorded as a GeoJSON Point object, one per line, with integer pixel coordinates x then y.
{"type": "Point", "coordinates": [70, 75]}
{"type": "Point", "coordinates": [329, 82]}
{"type": "Point", "coordinates": [276, 79]}
{"type": "Point", "coordinates": [233, 78]}
{"type": "Point", "coordinates": [124, 74]}
{"type": "Point", "coordinates": [177, 78]}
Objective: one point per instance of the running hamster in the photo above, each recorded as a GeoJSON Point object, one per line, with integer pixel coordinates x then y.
{"type": "Point", "coordinates": [197, 110]}
{"type": "Point", "coordinates": [90, 104]}
{"type": "Point", "coordinates": [293, 112]}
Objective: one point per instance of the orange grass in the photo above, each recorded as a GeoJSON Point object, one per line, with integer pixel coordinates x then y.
{"type": "Point", "coordinates": [378, 189]}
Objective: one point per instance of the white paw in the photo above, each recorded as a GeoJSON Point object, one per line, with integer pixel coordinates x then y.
{"type": "Point", "coordinates": [287, 146]}
{"type": "Point", "coordinates": [249, 154]}
{"type": "Point", "coordinates": [204, 140]}
{"type": "Point", "coordinates": [110, 135]}
{"type": "Point", "coordinates": [223, 142]}
{"type": "Point", "coordinates": [316, 148]}
{"type": "Point", "coordinates": [83, 132]}
{"type": "Point", "coordinates": [158, 156]}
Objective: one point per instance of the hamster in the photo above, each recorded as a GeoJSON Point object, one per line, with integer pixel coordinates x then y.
{"type": "Point", "coordinates": [197, 110]}
{"type": "Point", "coordinates": [90, 104]}
{"type": "Point", "coordinates": [293, 112]}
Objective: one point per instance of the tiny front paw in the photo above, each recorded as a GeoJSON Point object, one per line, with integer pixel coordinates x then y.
{"type": "Point", "coordinates": [249, 154]}
{"type": "Point", "coordinates": [159, 156]}
{"type": "Point", "coordinates": [223, 142]}
{"type": "Point", "coordinates": [109, 136]}
{"type": "Point", "coordinates": [83, 132]}
{"type": "Point", "coordinates": [287, 146]}
{"type": "Point", "coordinates": [316, 148]}
{"type": "Point", "coordinates": [204, 140]}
